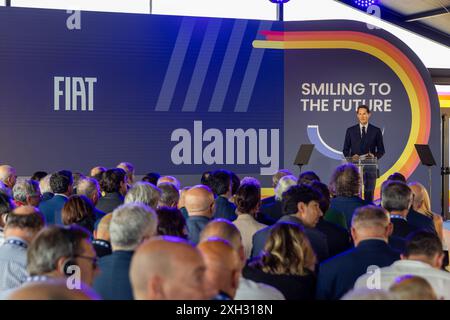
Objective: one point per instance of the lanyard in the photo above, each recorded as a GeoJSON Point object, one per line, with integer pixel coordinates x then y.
{"type": "Point", "coordinates": [17, 242]}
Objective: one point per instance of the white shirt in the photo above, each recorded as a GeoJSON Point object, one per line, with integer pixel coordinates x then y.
{"type": "Point", "coordinates": [251, 290]}
{"type": "Point", "coordinates": [438, 279]}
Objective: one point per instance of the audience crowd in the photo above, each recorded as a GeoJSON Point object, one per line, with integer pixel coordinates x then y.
{"type": "Point", "coordinates": [106, 235]}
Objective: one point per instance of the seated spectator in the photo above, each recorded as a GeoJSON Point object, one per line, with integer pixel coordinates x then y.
{"type": "Point", "coordinates": [61, 183]}
{"type": "Point", "coordinates": [8, 176]}
{"type": "Point", "coordinates": [27, 192]}
{"type": "Point", "coordinates": [145, 193]}
{"type": "Point", "coordinates": [129, 169]}
{"type": "Point", "coordinates": [131, 224]}
{"type": "Point", "coordinates": [97, 173]}
{"type": "Point", "coordinates": [223, 267]}
{"type": "Point", "coordinates": [77, 177]}
{"type": "Point", "coordinates": [346, 186]}
{"type": "Point", "coordinates": [181, 204]}
{"type": "Point", "coordinates": [287, 263]}
{"type": "Point", "coordinates": [55, 290]}
{"type": "Point", "coordinates": [338, 238]}
{"type": "Point", "coordinates": [152, 178]}
{"type": "Point", "coordinates": [169, 179]}
{"type": "Point", "coordinates": [396, 198]}
{"type": "Point", "coordinates": [46, 190]}
{"type": "Point", "coordinates": [168, 268]}
{"type": "Point", "coordinates": [370, 231]}
{"type": "Point", "coordinates": [397, 176]}
{"type": "Point", "coordinates": [171, 223]}
{"type": "Point", "coordinates": [102, 237]}
{"type": "Point", "coordinates": [308, 177]}
{"type": "Point", "coordinates": [78, 210]}
{"type": "Point", "coordinates": [301, 206]}
{"type": "Point", "coordinates": [38, 175]}
{"type": "Point", "coordinates": [248, 289]}
{"type": "Point", "coordinates": [56, 251]}
{"type": "Point", "coordinates": [422, 257]}
{"type": "Point", "coordinates": [204, 180]}
{"type": "Point", "coordinates": [169, 195]}
{"type": "Point", "coordinates": [412, 288]}
{"type": "Point", "coordinates": [90, 188]}
{"type": "Point", "coordinates": [422, 205]}
{"type": "Point", "coordinates": [275, 179]}
{"type": "Point", "coordinates": [6, 206]}
{"type": "Point", "coordinates": [114, 186]}
{"type": "Point", "coordinates": [248, 198]}
{"type": "Point", "coordinates": [274, 209]}
{"type": "Point", "coordinates": [199, 203]}
{"type": "Point", "coordinates": [21, 228]}
{"type": "Point", "coordinates": [221, 184]}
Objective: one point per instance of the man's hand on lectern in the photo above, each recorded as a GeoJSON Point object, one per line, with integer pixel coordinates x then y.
{"type": "Point", "coordinates": [355, 157]}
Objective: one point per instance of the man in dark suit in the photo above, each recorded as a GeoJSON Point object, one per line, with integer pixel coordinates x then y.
{"type": "Point", "coordinates": [370, 231]}
{"type": "Point", "coordinates": [114, 184]}
{"type": "Point", "coordinates": [90, 188]}
{"type": "Point", "coordinates": [61, 183]}
{"type": "Point", "coordinates": [396, 198]}
{"type": "Point", "coordinates": [131, 224]}
{"type": "Point", "coordinates": [364, 139]}
{"type": "Point", "coordinates": [275, 178]}
{"type": "Point", "coordinates": [301, 206]}
{"type": "Point", "coordinates": [199, 203]}
{"type": "Point", "coordinates": [220, 183]}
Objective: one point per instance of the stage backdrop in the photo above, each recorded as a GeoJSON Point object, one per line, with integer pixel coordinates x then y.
{"type": "Point", "coordinates": [182, 95]}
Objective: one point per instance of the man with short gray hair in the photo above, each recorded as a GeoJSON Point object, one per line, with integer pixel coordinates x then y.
{"type": "Point", "coordinates": [370, 231]}
{"type": "Point", "coordinates": [131, 224]}
{"type": "Point", "coordinates": [46, 190]}
{"type": "Point", "coordinates": [171, 180]}
{"type": "Point", "coordinates": [90, 188]}
{"type": "Point", "coordinates": [21, 228]}
{"type": "Point", "coordinates": [145, 193]}
{"type": "Point", "coordinates": [169, 195]}
{"type": "Point", "coordinates": [396, 198]}
{"type": "Point", "coordinates": [27, 192]}
{"type": "Point", "coordinates": [8, 175]}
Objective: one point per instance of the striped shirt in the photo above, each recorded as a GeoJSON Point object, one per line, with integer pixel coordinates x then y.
{"type": "Point", "coordinates": [13, 263]}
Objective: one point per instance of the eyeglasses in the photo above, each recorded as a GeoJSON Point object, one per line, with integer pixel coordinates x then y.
{"type": "Point", "coordinates": [94, 260]}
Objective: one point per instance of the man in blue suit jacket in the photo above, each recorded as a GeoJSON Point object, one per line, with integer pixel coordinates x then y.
{"type": "Point", "coordinates": [301, 206]}
{"type": "Point", "coordinates": [364, 139]}
{"type": "Point", "coordinates": [370, 232]}
{"type": "Point", "coordinates": [131, 224]}
{"type": "Point", "coordinates": [61, 183]}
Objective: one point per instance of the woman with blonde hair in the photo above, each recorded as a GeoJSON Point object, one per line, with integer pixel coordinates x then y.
{"type": "Point", "coordinates": [422, 204]}
{"type": "Point", "coordinates": [287, 263]}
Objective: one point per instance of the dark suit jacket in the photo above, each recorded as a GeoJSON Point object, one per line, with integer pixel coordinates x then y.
{"type": "Point", "coordinates": [273, 210]}
{"type": "Point", "coordinates": [420, 221]}
{"type": "Point", "coordinates": [195, 225]}
{"type": "Point", "coordinates": [113, 282]}
{"type": "Point", "coordinates": [52, 209]}
{"type": "Point", "coordinates": [402, 228]}
{"type": "Point", "coordinates": [267, 201]}
{"type": "Point", "coordinates": [109, 202]}
{"type": "Point", "coordinates": [347, 205]}
{"type": "Point", "coordinates": [47, 196]}
{"type": "Point", "coordinates": [338, 275]}
{"type": "Point", "coordinates": [374, 141]}
{"type": "Point", "coordinates": [225, 209]}
{"type": "Point", "coordinates": [317, 239]}
{"type": "Point", "coordinates": [338, 238]}
{"type": "Point", "coordinates": [291, 286]}
{"type": "Point", "coordinates": [102, 247]}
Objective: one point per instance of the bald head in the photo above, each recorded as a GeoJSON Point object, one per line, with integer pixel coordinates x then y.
{"type": "Point", "coordinates": [97, 171]}
{"type": "Point", "coordinates": [199, 201]}
{"type": "Point", "coordinates": [169, 179]}
{"type": "Point", "coordinates": [223, 265]}
{"type": "Point", "coordinates": [102, 231]}
{"type": "Point", "coordinates": [223, 229]}
{"type": "Point", "coordinates": [8, 175]}
{"type": "Point", "coordinates": [168, 268]}
{"type": "Point", "coordinates": [55, 290]}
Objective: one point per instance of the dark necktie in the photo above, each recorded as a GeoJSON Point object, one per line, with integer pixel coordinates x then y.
{"type": "Point", "coordinates": [363, 140]}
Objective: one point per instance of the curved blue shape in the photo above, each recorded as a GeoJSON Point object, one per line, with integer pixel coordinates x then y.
{"type": "Point", "coordinates": [320, 145]}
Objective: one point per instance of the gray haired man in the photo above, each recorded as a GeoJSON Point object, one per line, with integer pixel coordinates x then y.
{"type": "Point", "coordinates": [131, 224]}
{"type": "Point", "coordinates": [27, 192]}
